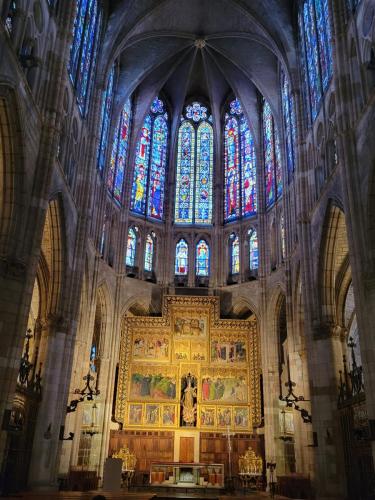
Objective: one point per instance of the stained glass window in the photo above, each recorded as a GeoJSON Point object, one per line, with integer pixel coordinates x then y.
{"type": "Point", "coordinates": [131, 247]}
{"type": "Point", "coordinates": [272, 157]}
{"type": "Point", "coordinates": [290, 130]}
{"type": "Point", "coordinates": [9, 20]}
{"type": "Point", "coordinates": [105, 119]}
{"type": "Point", "coordinates": [194, 168]}
{"type": "Point", "coordinates": [102, 239]}
{"type": "Point", "coordinates": [149, 253]}
{"type": "Point", "coordinates": [83, 52]}
{"type": "Point", "coordinates": [202, 259]}
{"type": "Point", "coordinates": [253, 250]}
{"type": "Point", "coordinates": [116, 172]}
{"type": "Point", "coordinates": [182, 254]}
{"type": "Point", "coordinates": [240, 165]}
{"type": "Point", "coordinates": [150, 166]}
{"type": "Point", "coordinates": [316, 51]}
{"type": "Point", "coordinates": [234, 254]}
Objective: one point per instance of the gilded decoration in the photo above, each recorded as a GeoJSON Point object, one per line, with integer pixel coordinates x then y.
{"type": "Point", "coordinates": [128, 458]}
{"type": "Point", "coordinates": [189, 368]}
{"type": "Point", "coordinates": [250, 463]}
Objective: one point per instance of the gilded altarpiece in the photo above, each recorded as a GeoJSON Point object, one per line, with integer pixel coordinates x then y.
{"type": "Point", "coordinates": [189, 343]}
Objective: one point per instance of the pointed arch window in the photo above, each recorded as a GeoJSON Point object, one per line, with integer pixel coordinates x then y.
{"type": "Point", "coordinates": [240, 165]}
{"type": "Point", "coordinates": [272, 157]}
{"type": "Point", "coordinates": [116, 172]}
{"type": "Point", "coordinates": [149, 253]}
{"type": "Point", "coordinates": [150, 167]}
{"type": "Point", "coordinates": [253, 250]}
{"type": "Point", "coordinates": [316, 51]}
{"type": "Point", "coordinates": [202, 259]}
{"type": "Point", "coordinates": [182, 255]}
{"type": "Point", "coordinates": [234, 248]}
{"type": "Point", "coordinates": [84, 49]}
{"type": "Point", "coordinates": [290, 128]}
{"type": "Point", "coordinates": [105, 119]}
{"type": "Point", "coordinates": [131, 248]}
{"type": "Point", "coordinates": [193, 202]}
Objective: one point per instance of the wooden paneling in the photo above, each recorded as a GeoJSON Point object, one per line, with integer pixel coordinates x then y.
{"type": "Point", "coordinates": [187, 449]}
{"type": "Point", "coordinates": [214, 448]}
{"type": "Point", "coordinates": [157, 446]}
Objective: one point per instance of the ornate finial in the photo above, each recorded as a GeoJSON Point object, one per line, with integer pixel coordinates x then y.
{"type": "Point", "coordinates": [200, 43]}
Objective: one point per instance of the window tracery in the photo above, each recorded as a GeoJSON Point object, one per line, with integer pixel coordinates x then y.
{"type": "Point", "coordinates": [272, 157]}
{"type": "Point", "coordinates": [240, 165]}
{"type": "Point", "coordinates": [84, 49]}
{"type": "Point", "coordinates": [315, 51]}
{"type": "Point", "coordinates": [150, 166]}
{"type": "Point", "coordinates": [116, 172]}
{"type": "Point", "coordinates": [193, 202]}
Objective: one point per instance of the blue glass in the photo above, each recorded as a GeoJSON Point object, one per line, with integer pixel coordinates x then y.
{"type": "Point", "coordinates": [116, 172]}
{"type": "Point", "coordinates": [235, 254]}
{"type": "Point", "coordinates": [105, 119]}
{"type": "Point", "coordinates": [253, 250]}
{"type": "Point", "coordinates": [196, 112]}
{"type": "Point", "coordinates": [316, 51]}
{"type": "Point", "coordinates": [83, 52]}
{"type": "Point", "coordinates": [203, 174]}
{"type": "Point", "coordinates": [289, 123]}
{"type": "Point", "coordinates": [149, 253]}
{"type": "Point", "coordinates": [131, 247]}
{"type": "Point", "coordinates": [232, 169]}
{"type": "Point", "coordinates": [150, 168]}
{"type": "Point", "coordinates": [248, 169]}
{"type": "Point", "coordinates": [202, 267]}
{"type": "Point", "coordinates": [185, 174]}
{"type": "Point", "coordinates": [158, 168]}
{"type": "Point", "coordinates": [182, 255]}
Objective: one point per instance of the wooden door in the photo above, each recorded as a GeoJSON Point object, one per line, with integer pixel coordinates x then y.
{"type": "Point", "coordinates": [187, 449]}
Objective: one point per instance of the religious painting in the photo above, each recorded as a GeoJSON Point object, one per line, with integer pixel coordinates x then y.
{"type": "Point", "coordinates": [198, 351]}
{"type": "Point", "coordinates": [228, 352]}
{"type": "Point", "coordinates": [188, 401]}
{"type": "Point", "coordinates": [224, 389]}
{"type": "Point", "coordinates": [154, 347]}
{"type": "Point", "coordinates": [208, 416]}
{"type": "Point", "coordinates": [152, 415]}
{"type": "Point", "coordinates": [152, 384]}
{"type": "Point", "coordinates": [135, 414]}
{"type": "Point", "coordinates": [169, 415]}
{"type": "Point", "coordinates": [224, 417]}
{"type": "Point", "coordinates": [190, 327]}
{"type": "Point", "coordinates": [181, 350]}
{"type": "Point", "coordinates": [241, 417]}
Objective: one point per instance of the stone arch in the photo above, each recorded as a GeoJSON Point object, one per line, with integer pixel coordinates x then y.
{"type": "Point", "coordinates": [52, 250]}
{"type": "Point", "coordinates": [11, 170]}
{"type": "Point", "coordinates": [333, 262]}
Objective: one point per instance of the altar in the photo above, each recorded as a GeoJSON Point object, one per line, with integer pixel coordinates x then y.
{"type": "Point", "coordinates": [187, 475]}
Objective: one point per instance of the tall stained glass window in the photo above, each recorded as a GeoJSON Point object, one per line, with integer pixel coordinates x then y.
{"type": "Point", "coordinates": [150, 166]}
{"type": "Point", "coordinates": [105, 119]}
{"type": "Point", "coordinates": [84, 49]}
{"type": "Point", "coordinates": [290, 128]}
{"type": "Point", "coordinates": [272, 157]}
{"type": "Point", "coordinates": [253, 250]}
{"type": "Point", "coordinates": [234, 249]}
{"type": "Point", "coordinates": [193, 204]}
{"type": "Point", "coordinates": [149, 253]}
{"type": "Point", "coordinates": [282, 236]}
{"type": "Point", "coordinates": [182, 255]}
{"type": "Point", "coordinates": [202, 259]}
{"type": "Point", "coordinates": [116, 172]}
{"type": "Point", "coordinates": [131, 247]}
{"type": "Point", "coordinates": [316, 51]}
{"type": "Point", "coordinates": [240, 165]}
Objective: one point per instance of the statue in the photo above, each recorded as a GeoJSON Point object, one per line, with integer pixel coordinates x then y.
{"type": "Point", "coordinates": [188, 401]}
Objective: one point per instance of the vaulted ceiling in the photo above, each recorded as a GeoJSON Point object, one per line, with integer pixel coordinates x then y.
{"type": "Point", "coordinates": [200, 48]}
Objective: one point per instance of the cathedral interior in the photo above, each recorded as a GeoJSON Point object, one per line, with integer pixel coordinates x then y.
{"type": "Point", "coordinates": [187, 246]}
